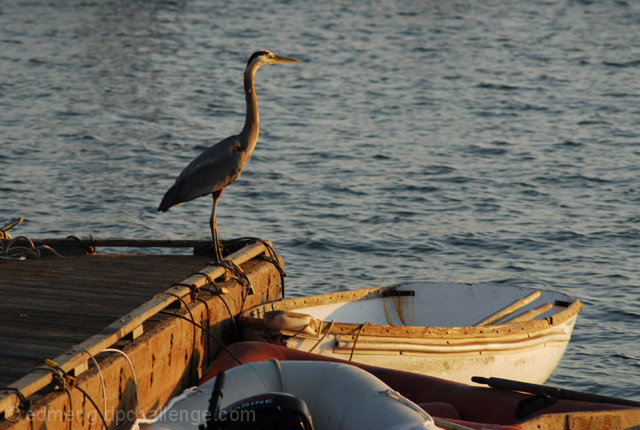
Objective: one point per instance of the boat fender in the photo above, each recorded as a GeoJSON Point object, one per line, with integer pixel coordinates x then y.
{"type": "Point", "coordinates": [291, 323]}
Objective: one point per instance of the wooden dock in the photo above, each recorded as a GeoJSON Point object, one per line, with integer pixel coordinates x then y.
{"type": "Point", "coordinates": [163, 313]}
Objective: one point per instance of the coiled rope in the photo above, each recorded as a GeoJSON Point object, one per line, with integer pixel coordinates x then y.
{"type": "Point", "coordinates": [21, 247]}
{"type": "Point", "coordinates": [270, 256]}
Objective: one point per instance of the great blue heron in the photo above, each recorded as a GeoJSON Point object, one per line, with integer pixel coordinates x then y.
{"type": "Point", "coordinates": [222, 163]}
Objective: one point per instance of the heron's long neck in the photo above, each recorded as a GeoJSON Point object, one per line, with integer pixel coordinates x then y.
{"type": "Point", "coordinates": [252, 122]}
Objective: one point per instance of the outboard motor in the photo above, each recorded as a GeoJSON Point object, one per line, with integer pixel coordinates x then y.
{"type": "Point", "coordinates": [267, 411]}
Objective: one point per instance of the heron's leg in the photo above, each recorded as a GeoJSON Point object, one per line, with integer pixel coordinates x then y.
{"type": "Point", "coordinates": [217, 253]}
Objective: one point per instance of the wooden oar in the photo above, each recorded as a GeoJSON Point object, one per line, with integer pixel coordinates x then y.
{"type": "Point", "coordinates": [508, 310]}
{"type": "Point", "coordinates": [560, 393]}
{"type": "Point", "coordinates": [529, 315]}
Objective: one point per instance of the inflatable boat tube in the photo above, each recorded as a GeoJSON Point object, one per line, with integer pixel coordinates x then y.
{"type": "Point", "coordinates": [339, 397]}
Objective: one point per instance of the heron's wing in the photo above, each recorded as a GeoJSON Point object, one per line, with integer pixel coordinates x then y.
{"type": "Point", "coordinates": [212, 170]}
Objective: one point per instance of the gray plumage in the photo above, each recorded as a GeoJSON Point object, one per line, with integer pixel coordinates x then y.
{"type": "Point", "coordinates": [212, 170]}
{"type": "Point", "coordinates": [221, 164]}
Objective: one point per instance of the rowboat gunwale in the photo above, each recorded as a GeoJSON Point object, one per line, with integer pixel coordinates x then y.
{"type": "Point", "coordinates": [456, 334]}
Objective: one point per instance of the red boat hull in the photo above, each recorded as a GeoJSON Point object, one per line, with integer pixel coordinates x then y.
{"type": "Point", "coordinates": [472, 406]}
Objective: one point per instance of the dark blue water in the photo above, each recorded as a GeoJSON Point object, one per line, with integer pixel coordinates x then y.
{"type": "Point", "coordinates": [440, 140]}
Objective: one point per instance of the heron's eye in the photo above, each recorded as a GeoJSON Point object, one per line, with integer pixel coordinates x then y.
{"type": "Point", "coordinates": [258, 54]}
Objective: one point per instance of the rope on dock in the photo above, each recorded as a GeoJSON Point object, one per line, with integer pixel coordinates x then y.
{"type": "Point", "coordinates": [9, 251]}
{"type": "Point", "coordinates": [238, 274]}
{"type": "Point", "coordinates": [208, 332]}
{"type": "Point", "coordinates": [195, 291]}
{"type": "Point", "coordinates": [64, 381]}
{"type": "Point", "coordinates": [90, 249]}
{"type": "Point", "coordinates": [272, 257]}
{"type": "Point", "coordinates": [95, 362]}
{"type": "Point", "coordinates": [193, 320]}
{"type": "Point", "coordinates": [24, 402]}
{"type": "Point", "coordinates": [133, 373]}
{"type": "Point", "coordinates": [218, 292]}
{"type": "Point", "coordinates": [4, 231]}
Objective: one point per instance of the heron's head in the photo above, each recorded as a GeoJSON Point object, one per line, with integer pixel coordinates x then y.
{"type": "Point", "coordinates": [264, 57]}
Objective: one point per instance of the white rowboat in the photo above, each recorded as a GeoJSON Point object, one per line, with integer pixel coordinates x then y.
{"type": "Point", "coordinates": [449, 330]}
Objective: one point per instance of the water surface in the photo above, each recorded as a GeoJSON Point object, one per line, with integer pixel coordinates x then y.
{"type": "Point", "coordinates": [444, 141]}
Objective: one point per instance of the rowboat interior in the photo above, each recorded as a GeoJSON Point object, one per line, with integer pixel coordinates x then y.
{"type": "Point", "coordinates": [450, 330]}
{"type": "Point", "coordinates": [436, 304]}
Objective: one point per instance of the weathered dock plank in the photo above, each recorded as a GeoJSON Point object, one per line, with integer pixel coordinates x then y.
{"type": "Point", "coordinates": [75, 296]}
{"type": "Point", "coordinates": [51, 304]}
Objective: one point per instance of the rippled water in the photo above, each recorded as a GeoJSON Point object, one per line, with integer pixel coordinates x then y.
{"type": "Point", "coordinates": [437, 140]}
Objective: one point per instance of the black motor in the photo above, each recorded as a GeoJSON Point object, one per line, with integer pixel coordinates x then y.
{"type": "Point", "coordinates": [267, 411]}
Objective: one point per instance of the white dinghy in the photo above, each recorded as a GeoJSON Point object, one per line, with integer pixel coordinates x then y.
{"type": "Point", "coordinates": [449, 330]}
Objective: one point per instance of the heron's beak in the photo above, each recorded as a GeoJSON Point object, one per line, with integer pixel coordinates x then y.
{"type": "Point", "coordinates": [279, 59]}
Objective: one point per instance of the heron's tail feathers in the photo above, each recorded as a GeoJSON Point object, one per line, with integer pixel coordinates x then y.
{"type": "Point", "coordinates": [170, 199]}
